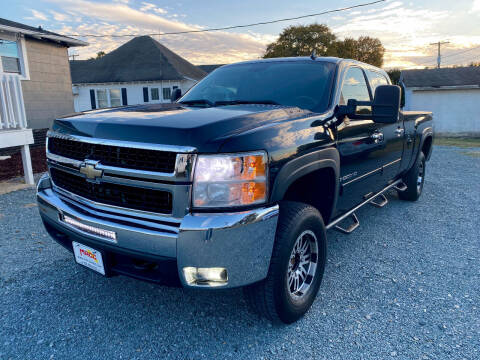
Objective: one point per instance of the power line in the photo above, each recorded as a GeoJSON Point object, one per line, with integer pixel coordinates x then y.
{"type": "Point", "coordinates": [234, 26]}
{"type": "Point", "coordinates": [462, 52]}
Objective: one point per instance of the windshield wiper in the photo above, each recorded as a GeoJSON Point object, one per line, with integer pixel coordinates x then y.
{"type": "Point", "coordinates": [197, 102]}
{"type": "Point", "coordinates": [236, 102]}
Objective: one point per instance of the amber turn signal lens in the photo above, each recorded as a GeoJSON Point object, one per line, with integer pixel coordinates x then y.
{"type": "Point", "coordinates": [253, 192]}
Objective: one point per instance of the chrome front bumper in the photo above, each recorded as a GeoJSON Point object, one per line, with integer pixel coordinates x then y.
{"type": "Point", "coordinates": [241, 242]}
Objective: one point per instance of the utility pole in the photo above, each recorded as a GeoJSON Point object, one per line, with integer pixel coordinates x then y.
{"type": "Point", "coordinates": [73, 55]}
{"type": "Point", "coordinates": [439, 56]}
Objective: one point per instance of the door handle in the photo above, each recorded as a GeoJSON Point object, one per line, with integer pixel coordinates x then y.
{"type": "Point", "coordinates": [399, 131]}
{"type": "Point", "coordinates": [376, 137]}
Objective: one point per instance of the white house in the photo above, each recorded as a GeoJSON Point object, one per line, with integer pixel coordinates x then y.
{"type": "Point", "coordinates": [452, 94]}
{"type": "Point", "coordinates": [141, 71]}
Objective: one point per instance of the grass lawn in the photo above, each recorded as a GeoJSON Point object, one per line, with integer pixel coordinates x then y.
{"type": "Point", "coordinates": [460, 142]}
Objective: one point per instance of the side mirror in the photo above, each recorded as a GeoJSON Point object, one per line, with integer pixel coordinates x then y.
{"type": "Point", "coordinates": [386, 104]}
{"type": "Point", "coordinates": [176, 94]}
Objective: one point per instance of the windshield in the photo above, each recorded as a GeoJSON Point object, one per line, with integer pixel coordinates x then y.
{"type": "Point", "coordinates": [305, 84]}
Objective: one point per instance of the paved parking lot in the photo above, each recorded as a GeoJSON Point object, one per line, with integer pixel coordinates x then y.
{"type": "Point", "coordinates": [405, 285]}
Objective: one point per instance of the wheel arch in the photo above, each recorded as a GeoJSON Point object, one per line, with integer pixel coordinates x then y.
{"type": "Point", "coordinates": [426, 144]}
{"type": "Point", "coordinates": [296, 177]}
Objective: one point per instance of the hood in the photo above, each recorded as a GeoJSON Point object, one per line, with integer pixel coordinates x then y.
{"type": "Point", "coordinates": [203, 128]}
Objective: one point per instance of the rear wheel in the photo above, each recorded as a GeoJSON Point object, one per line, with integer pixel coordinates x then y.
{"type": "Point", "coordinates": [296, 268]}
{"type": "Point", "coordinates": [414, 179]}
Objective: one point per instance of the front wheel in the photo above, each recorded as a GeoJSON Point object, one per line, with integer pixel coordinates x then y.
{"type": "Point", "coordinates": [296, 268]}
{"type": "Point", "coordinates": [414, 179]}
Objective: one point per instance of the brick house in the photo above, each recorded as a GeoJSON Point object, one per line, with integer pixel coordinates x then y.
{"type": "Point", "coordinates": [35, 88]}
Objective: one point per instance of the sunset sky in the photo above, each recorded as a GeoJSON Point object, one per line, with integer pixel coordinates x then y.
{"type": "Point", "coordinates": [405, 28]}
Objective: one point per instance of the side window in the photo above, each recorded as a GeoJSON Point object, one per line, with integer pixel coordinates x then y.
{"type": "Point", "coordinates": [355, 87]}
{"type": "Point", "coordinates": [376, 79]}
{"type": "Point", "coordinates": [9, 56]}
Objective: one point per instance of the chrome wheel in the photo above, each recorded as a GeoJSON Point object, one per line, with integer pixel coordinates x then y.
{"type": "Point", "coordinates": [302, 264]}
{"type": "Point", "coordinates": [421, 172]}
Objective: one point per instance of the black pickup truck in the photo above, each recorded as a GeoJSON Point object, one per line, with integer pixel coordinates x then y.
{"type": "Point", "coordinates": [236, 182]}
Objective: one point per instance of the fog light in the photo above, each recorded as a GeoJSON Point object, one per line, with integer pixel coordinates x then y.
{"type": "Point", "coordinates": [205, 276]}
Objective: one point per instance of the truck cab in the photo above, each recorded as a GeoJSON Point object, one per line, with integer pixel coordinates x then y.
{"type": "Point", "coordinates": [237, 182]}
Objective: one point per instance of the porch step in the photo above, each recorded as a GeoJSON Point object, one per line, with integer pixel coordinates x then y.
{"type": "Point", "coordinates": [4, 157]}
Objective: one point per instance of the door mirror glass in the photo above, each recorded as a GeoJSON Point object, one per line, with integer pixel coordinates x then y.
{"type": "Point", "coordinates": [176, 94]}
{"type": "Point", "coordinates": [386, 104]}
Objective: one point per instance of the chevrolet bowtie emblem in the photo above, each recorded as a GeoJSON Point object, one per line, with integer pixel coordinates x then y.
{"type": "Point", "coordinates": [88, 168]}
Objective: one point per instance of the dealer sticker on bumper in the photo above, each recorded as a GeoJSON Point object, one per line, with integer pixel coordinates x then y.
{"type": "Point", "coordinates": [88, 257]}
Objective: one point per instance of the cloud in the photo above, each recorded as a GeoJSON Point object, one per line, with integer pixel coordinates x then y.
{"type": "Point", "coordinates": [476, 6]}
{"type": "Point", "coordinates": [403, 30]}
{"type": "Point", "coordinates": [146, 7]}
{"type": "Point", "coordinates": [59, 17]}
{"type": "Point", "coordinates": [119, 18]}
{"type": "Point", "coordinates": [37, 15]}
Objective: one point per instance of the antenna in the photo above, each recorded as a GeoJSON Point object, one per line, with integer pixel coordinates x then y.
{"type": "Point", "coordinates": [313, 56]}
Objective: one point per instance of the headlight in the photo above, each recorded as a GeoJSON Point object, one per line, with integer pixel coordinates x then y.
{"type": "Point", "coordinates": [230, 180]}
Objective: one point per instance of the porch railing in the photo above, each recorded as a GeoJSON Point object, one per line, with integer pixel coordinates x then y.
{"type": "Point", "coordinates": [13, 121]}
{"type": "Point", "coordinates": [12, 108]}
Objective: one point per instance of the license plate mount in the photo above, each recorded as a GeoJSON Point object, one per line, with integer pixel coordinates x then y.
{"type": "Point", "coordinates": [88, 257]}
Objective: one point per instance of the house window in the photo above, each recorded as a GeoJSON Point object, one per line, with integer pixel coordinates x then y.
{"type": "Point", "coordinates": [102, 99]}
{"type": "Point", "coordinates": [10, 58]}
{"type": "Point", "coordinates": [115, 97]}
{"type": "Point", "coordinates": [107, 98]}
{"type": "Point", "coordinates": [155, 94]}
{"type": "Point", "coordinates": [167, 93]}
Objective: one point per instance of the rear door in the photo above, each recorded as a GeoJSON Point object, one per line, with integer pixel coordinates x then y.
{"type": "Point", "coordinates": [393, 135]}
{"type": "Point", "coordinates": [360, 145]}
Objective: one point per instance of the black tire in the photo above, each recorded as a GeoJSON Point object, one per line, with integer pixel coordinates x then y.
{"type": "Point", "coordinates": [273, 298]}
{"type": "Point", "coordinates": [414, 179]}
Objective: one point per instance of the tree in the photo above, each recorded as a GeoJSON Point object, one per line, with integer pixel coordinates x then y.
{"type": "Point", "coordinates": [394, 75]}
{"type": "Point", "coordinates": [100, 54]}
{"type": "Point", "coordinates": [301, 40]}
{"type": "Point", "coordinates": [365, 48]}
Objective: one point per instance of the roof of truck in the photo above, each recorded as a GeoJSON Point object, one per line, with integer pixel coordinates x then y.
{"type": "Point", "coordinates": [329, 59]}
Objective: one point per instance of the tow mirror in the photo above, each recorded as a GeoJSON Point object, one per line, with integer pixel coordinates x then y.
{"type": "Point", "coordinates": [176, 94]}
{"type": "Point", "coordinates": [386, 104]}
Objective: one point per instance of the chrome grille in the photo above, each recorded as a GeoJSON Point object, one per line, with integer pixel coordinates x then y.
{"type": "Point", "coordinates": [132, 197]}
{"type": "Point", "coordinates": [118, 156]}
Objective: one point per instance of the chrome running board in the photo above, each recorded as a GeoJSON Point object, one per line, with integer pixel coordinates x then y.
{"type": "Point", "coordinates": [398, 183]}
{"type": "Point", "coordinates": [383, 201]}
{"type": "Point", "coordinates": [401, 186]}
{"type": "Point", "coordinates": [355, 224]}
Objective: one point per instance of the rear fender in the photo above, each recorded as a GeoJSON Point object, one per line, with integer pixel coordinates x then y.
{"type": "Point", "coordinates": [426, 133]}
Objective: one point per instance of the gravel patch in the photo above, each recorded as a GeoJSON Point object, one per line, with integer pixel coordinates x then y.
{"type": "Point", "coordinates": [405, 285]}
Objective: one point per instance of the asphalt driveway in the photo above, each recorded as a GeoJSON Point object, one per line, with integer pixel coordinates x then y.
{"type": "Point", "coordinates": [405, 285]}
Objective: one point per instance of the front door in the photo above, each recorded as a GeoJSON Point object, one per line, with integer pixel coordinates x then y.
{"type": "Point", "coordinates": [361, 145]}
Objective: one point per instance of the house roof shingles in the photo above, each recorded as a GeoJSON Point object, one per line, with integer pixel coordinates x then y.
{"type": "Point", "coordinates": [462, 76]}
{"type": "Point", "coordinates": [140, 59]}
